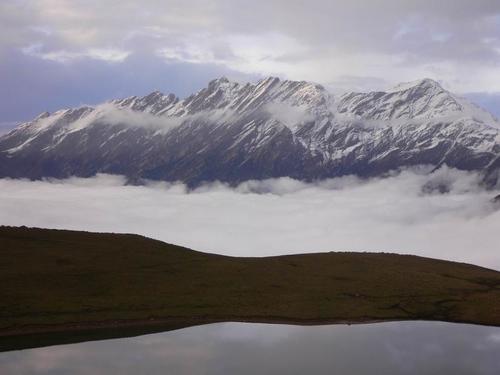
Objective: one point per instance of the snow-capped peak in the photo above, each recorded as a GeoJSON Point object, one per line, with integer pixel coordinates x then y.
{"type": "Point", "coordinates": [218, 81]}
{"type": "Point", "coordinates": [418, 100]}
{"type": "Point", "coordinates": [42, 116]}
{"type": "Point", "coordinates": [271, 128]}
{"type": "Point", "coordinates": [424, 84]}
{"type": "Point", "coordinates": [154, 103]}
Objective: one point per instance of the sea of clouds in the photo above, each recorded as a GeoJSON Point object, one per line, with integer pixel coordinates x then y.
{"type": "Point", "coordinates": [404, 213]}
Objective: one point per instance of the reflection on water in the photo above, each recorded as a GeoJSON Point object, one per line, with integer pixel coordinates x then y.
{"type": "Point", "coordinates": [239, 348]}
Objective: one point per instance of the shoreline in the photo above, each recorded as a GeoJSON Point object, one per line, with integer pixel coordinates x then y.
{"type": "Point", "coordinates": [185, 322]}
{"type": "Point", "coordinates": [67, 286]}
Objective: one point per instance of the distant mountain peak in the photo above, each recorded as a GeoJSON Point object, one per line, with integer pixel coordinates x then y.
{"type": "Point", "coordinates": [154, 94]}
{"type": "Point", "coordinates": [42, 115]}
{"type": "Point", "coordinates": [270, 79]}
{"type": "Point", "coordinates": [421, 99]}
{"type": "Point", "coordinates": [424, 83]}
{"type": "Point", "coordinates": [154, 102]}
{"type": "Point", "coordinates": [218, 82]}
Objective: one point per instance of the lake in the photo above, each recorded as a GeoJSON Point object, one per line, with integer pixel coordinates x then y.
{"type": "Point", "coordinates": [247, 348]}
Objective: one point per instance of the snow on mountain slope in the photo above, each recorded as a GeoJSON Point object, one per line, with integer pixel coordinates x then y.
{"type": "Point", "coordinates": [232, 132]}
{"type": "Point", "coordinates": [424, 99]}
{"type": "Point", "coordinates": [154, 103]}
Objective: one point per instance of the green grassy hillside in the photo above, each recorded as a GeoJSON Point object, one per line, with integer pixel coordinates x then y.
{"type": "Point", "coordinates": [52, 280]}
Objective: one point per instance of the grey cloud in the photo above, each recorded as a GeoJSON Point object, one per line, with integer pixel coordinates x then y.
{"type": "Point", "coordinates": [111, 114]}
{"type": "Point", "coordinates": [288, 115]}
{"type": "Point", "coordinates": [418, 32]}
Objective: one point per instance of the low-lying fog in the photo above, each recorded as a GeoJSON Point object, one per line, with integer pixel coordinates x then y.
{"type": "Point", "coordinates": [403, 213]}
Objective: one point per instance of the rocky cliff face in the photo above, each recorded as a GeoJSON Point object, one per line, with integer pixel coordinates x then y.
{"type": "Point", "coordinates": [234, 132]}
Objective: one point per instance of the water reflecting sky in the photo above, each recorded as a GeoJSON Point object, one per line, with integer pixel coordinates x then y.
{"type": "Point", "coordinates": [239, 348]}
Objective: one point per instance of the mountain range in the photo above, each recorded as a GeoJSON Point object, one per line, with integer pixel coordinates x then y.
{"type": "Point", "coordinates": [232, 132]}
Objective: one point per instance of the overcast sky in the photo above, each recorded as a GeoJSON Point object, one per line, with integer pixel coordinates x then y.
{"type": "Point", "coordinates": [60, 53]}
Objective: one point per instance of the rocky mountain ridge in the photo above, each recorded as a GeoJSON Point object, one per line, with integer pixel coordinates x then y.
{"type": "Point", "coordinates": [233, 132]}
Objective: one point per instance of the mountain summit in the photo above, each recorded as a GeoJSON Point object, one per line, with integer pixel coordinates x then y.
{"type": "Point", "coordinates": [234, 132]}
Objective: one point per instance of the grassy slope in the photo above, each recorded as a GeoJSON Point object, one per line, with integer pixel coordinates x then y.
{"type": "Point", "coordinates": [52, 277]}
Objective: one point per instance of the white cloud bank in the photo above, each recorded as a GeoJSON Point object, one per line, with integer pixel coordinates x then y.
{"type": "Point", "coordinates": [278, 216]}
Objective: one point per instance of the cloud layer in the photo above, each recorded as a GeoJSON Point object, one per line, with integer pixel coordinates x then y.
{"type": "Point", "coordinates": [402, 213]}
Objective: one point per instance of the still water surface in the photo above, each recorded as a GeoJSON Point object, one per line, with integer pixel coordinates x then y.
{"type": "Point", "coordinates": [244, 348]}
